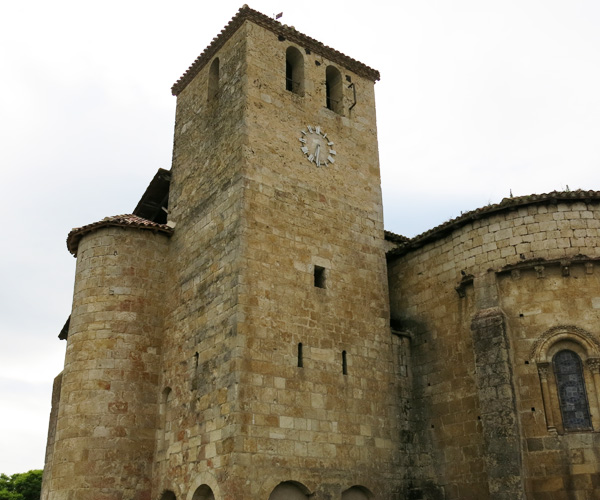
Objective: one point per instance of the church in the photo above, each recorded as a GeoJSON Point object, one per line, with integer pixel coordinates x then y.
{"type": "Point", "coordinates": [252, 332]}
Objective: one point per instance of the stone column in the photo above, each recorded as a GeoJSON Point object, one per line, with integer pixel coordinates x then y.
{"type": "Point", "coordinates": [543, 373]}
{"type": "Point", "coordinates": [593, 365]}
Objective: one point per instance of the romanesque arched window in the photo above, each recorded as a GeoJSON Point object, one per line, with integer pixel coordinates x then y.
{"type": "Point", "coordinates": [333, 89]}
{"type": "Point", "coordinates": [357, 493]}
{"type": "Point", "coordinates": [572, 396]}
{"type": "Point", "coordinates": [568, 364]}
{"type": "Point", "coordinates": [289, 490]}
{"type": "Point", "coordinates": [294, 71]}
{"type": "Point", "coordinates": [168, 495]}
{"type": "Point", "coordinates": [203, 492]}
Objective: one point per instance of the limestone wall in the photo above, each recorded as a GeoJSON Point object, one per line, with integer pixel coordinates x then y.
{"type": "Point", "coordinates": [201, 352]}
{"type": "Point", "coordinates": [482, 301]}
{"type": "Point", "coordinates": [49, 458]}
{"type": "Point", "coordinates": [105, 431]}
{"type": "Point", "coordinates": [325, 428]}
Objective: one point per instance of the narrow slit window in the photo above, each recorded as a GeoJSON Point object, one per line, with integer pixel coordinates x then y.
{"type": "Point", "coordinates": [344, 363]}
{"type": "Point", "coordinates": [165, 418]}
{"type": "Point", "coordinates": [300, 360]}
{"type": "Point", "coordinates": [319, 276]}
{"type": "Point", "coordinates": [213, 79]}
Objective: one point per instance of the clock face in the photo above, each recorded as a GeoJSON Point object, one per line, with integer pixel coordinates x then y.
{"type": "Point", "coordinates": [316, 146]}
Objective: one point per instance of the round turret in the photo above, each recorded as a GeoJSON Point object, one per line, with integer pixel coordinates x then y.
{"type": "Point", "coordinates": [108, 404]}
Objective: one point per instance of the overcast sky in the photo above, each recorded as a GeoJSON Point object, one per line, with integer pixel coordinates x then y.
{"type": "Point", "coordinates": [476, 98]}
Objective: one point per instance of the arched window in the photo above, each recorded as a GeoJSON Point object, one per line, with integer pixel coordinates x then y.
{"type": "Point", "coordinates": [168, 495]}
{"type": "Point", "coordinates": [213, 79]}
{"type": "Point", "coordinates": [203, 493]}
{"type": "Point", "coordinates": [289, 490]}
{"type": "Point", "coordinates": [568, 364]}
{"type": "Point", "coordinates": [572, 395]}
{"type": "Point", "coordinates": [333, 89]}
{"type": "Point", "coordinates": [294, 71]}
{"type": "Point", "coordinates": [357, 493]}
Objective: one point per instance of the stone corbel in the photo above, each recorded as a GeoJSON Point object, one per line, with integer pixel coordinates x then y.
{"type": "Point", "coordinates": [466, 280]}
{"type": "Point", "coordinates": [540, 271]}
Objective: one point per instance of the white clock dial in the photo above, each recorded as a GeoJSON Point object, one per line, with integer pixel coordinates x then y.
{"type": "Point", "coordinates": [316, 147]}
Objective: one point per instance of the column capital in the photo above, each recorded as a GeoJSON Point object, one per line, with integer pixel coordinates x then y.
{"type": "Point", "coordinates": [543, 370]}
{"type": "Point", "coordinates": [593, 364]}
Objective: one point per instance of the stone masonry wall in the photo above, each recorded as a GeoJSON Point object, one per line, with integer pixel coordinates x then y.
{"type": "Point", "coordinates": [104, 438]}
{"type": "Point", "coordinates": [253, 218]}
{"type": "Point", "coordinates": [536, 265]}
{"type": "Point", "coordinates": [48, 459]}
{"type": "Point", "coordinates": [559, 465]}
{"type": "Point", "coordinates": [323, 428]}
{"type": "Point", "coordinates": [201, 353]}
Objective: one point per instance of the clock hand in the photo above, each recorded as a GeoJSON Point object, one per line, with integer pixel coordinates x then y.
{"type": "Point", "coordinates": [317, 154]}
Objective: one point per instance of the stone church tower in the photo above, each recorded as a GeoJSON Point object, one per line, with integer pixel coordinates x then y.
{"type": "Point", "coordinates": [240, 347]}
{"type": "Point", "coordinates": [250, 332]}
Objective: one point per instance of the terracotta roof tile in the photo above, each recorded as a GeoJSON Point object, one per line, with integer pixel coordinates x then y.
{"type": "Point", "coordinates": [396, 238]}
{"type": "Point", "coordinates": [288, 32]}
{"type": "Point", "coordinates": [126, 220]}
{"type": "Point", "coordinates": [506, 204]}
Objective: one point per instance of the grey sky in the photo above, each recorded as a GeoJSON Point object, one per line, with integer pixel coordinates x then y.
{"type": "Point", "coordinates": [476, 98]}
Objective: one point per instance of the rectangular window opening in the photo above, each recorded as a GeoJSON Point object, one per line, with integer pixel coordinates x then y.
{"type": "Point", "coordinates": [344, 363]}
{"type": "Point", "coordinates": [319, 277]}
{"type": "Point", "coordinates": [300, 361]}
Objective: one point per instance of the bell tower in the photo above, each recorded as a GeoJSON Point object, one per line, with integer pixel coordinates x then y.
{"type": "Point", "coordinates": [277, 350]}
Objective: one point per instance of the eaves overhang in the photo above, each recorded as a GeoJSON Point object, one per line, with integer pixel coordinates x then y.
{"type": "Point", "coordinates": [126, 220]}
{"type": "Point", "coordinates": [506, 205]}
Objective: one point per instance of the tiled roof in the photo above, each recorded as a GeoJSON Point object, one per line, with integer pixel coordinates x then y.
{"type": "Point", "coordinates": [287, 32]}
{"type": "Point", "coordinates": [506, 204]}
{"type": "Point", "coordinates": [396, 238]}
{"type": "Point", "coordinates": [127, 220]}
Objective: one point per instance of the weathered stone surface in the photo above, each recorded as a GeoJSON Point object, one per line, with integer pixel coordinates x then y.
{"type": "Point", "coordinates": [250, 231]}
{"type": "Point", "coordinates": [478, 346]}
{"type": "Point", "coordinates": [105, 426]}
{"type": "Point", "coordinates": [268, 350]}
